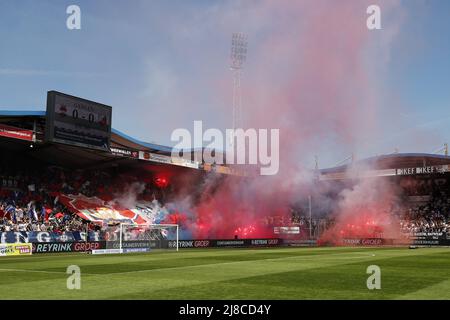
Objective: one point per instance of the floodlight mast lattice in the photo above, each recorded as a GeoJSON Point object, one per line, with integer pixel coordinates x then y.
{"type": "Point", "coordinates": [238, 56]}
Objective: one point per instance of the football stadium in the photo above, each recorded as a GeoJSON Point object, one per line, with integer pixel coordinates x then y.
{"type": "Point", "coordinates": [110, 208]}
{"type": "Point", "coordinates": [248, 152]}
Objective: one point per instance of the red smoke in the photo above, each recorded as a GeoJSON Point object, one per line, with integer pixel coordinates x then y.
{"type": "Point", "coordinates": [220, 215]}
{"type": "Point", "coordinates": [307, 75]}
{"type": "Point", "coordinates": [365, 211]}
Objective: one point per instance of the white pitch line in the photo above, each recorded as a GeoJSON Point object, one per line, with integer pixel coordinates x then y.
{"type": "Point", "coordinates": [27, 270]}
{"type": "Point", "coordinates": [354, 255]}
{"type": "Point", "coordinates": [180, 267]}
{"type": "Point", "coordinates": [224, 263]}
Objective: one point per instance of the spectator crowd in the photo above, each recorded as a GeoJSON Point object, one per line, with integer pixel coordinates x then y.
{"type": "Point", "coordinates": [29, 198]}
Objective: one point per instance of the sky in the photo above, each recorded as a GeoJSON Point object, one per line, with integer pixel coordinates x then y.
{"type": "Point", "coordinates": [163, 64]}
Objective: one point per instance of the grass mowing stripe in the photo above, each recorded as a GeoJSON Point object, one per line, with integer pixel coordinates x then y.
{"type": "Point", "coordinates": [217, 264]}
{"type": "Point", "coordinates": [344, 281]}
{"type": "Point", "coordinates": [142, 262]}
{"type": "Point", "coordinates": [226, 273]}
{"type": "Point", "coordinates": [99, 286]}
{"type": "Point", "coordinates": [146, 260]}
{"type": "Point", "coordinates": [28, 270]}
{"type": "Point", "coordinates": [438, 291]}
{"type": "Point", "coordinates": [183, 290]}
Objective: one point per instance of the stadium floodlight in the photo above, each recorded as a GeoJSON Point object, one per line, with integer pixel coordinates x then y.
{"type": "Point", "coordinates": [238, 50]}
{"type": "Point", "coordinates": [443, 149]}
{"type": "Point", "coordinates": [349, 158]}
{"type": "Point", "coordinates": [239, 42]}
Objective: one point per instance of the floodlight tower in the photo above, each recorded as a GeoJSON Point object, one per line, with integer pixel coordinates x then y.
{"type": "Point", "coordinates": [238, 57]}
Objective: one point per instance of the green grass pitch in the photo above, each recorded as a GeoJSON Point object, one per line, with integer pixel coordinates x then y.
{"type": "Point", "coordinates": [271, 273]}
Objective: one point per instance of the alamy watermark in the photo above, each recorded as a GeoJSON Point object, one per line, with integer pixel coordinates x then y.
{"type": "Point", "coordinates": [73, 21]}
{"type": "Point", "coordinates": [74, 279]}
{"type": "Point", "coordinates": [250, 146]}
{"type": "Point", "coordinates": [373, 22]}
{"type": "Point", "coordinates": [374, 280]}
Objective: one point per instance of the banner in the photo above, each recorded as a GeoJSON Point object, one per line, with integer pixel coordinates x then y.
{"type": "Point", "coordinates": [228, 170]}
{"type": "Point", "coordinates": [423, 170]}
{"type": "Point", "coordinates": [430, 239]}
{"type": "Point", "coordinates": [148, 156]}
{"type": "Point", "coordinates": [42, 236]}
{"type": "Point", "coordinates": [300, 242]}
{"type": "Point", "coordinates": [185, 163]}
{"type": "Point", "coordinates": [362, 173]}
{"type": "Point", "coordinates": [133, 244]}
{"type": "Point", "coordinates": [53, 247]}
{"type": "Point", "coordinates": [98, 211]}
{"type": "Point", "coordinates": [218, 243]}
{"type": "Point", "coordinates": [15, 249]}
{"type": "Point", "coordinates": [107, 251]}
{"type": "Point", "coordinates": [286, 230]}
{"type": "Point", "coordinates": [366, 242]}
{"type": "Point", "coordinates": [124, 152]}
{"type": "Point", "coordinates": [134, 250]}
{"type": "Point", "coordinates": [16, 133]}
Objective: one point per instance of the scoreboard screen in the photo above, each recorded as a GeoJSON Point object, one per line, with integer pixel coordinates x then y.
{"type": "Point", "coordinates": [76, 121]}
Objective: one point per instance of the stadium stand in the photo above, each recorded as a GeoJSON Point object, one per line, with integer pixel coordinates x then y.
{"type": "Point", "coordinates": [57, 188]}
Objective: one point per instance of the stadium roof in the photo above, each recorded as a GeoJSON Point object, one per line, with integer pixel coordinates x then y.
{"type": "Point", "coordinates": [67, 155]}
{"type": "Point", "coordinates": [6, 113]}
{"type": "Point", "coordinates": [394, 161]}
{"type": "Point", "coordinates": [117, 136]}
